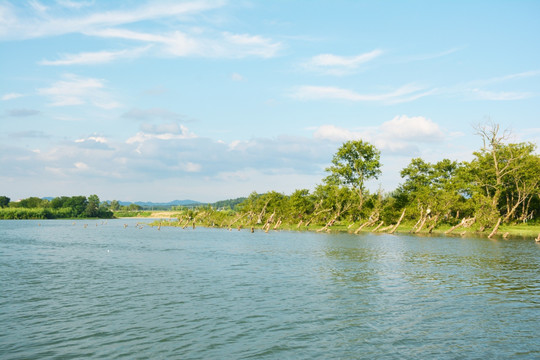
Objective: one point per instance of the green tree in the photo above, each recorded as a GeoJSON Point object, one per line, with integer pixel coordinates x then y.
{"type": "Point", "coordinates": [302, 203]}
{"type": "Point", "coordinates": [77, 204]}
{"type": "Point", "coordinates": [59, 202]}
{"type": "Point", "coordinates": [115, 205]}
{"type": "Point", "coordinates": [432, 191]}
{"type": "Point", "coordinates": [4, 201]}
{"type": "Point", "coordinates": [92, 207]}
{"type": "Point", "coordinates": [134, 207]}
{"type": "Point", "coordinates": [33, 203]}
{"type": "Point", "coordinates": [354, 163]}
{"type": "Point", "coordinates": [503, 174]}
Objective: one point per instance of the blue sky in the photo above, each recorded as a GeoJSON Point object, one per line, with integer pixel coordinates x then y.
{"type": "Point", "coordinates": [208, 100]}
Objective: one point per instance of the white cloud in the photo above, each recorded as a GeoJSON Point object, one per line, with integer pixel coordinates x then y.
{"type": "Point", "coordinates": [76, 90]}
{"type": "Point", "coordinates": [401, 134]}
{"type": "Point", "coordinates": [191, 167]}
{"type": "Point", "coordinates": [98, 139]}
{"type": "Point", "coordinates": [36, 5]}
{"type": "Point", "coordinates": [240, 45]}
{"type": "Point", "coordinates": [339, 65]}
{"type": "Point", "coordinates": [81, 166]}
{"type": "Point", "coordinates": [404, 93]}
{"type": "Point", "coordinates": [416, 128]}
{"type": "Point", "coordinates": [142, 137]}
{"type": "Point", "coordinates": [99, 57]}
{"type": "Point", "coordinates": [152, 114]}
{"type": "Point", "coordinates": [11, 96]}
{"type": "Point", "coordinates": [338, 134]}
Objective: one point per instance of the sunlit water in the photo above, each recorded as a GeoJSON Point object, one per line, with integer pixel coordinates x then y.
{"type": "Point", "coordinates": [107, 291]}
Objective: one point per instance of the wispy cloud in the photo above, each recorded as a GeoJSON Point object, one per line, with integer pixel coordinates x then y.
{"type": "Point", "coordinates": [422, 57]}
{"type": "Point", "coordinates": [483, 89]}
{"type": "Point", "coordinates": [30, 25]}
{"type": "Point", "coordinates": [505, 78]}
{"type": "Point", "coordinates": [339, 65]}
{"type": "Point", "coordinates": [74, 4]}
{"type": "Point", "coordinates": [99, 57]}
{"type": "Point", "coordinates": [178, 43]}
{"type": "Point", "coordinates": [402, 94]}
{"type": "Point", "coordinates": [22, 112]}
{"type": "Point", "coordinates": [153, 114]}
{"type": "Point", "coordinates": [237, 77]}
{"type": "Point", "coordinates": [11, 96]}
{"type": "Point", "coordinates": [479, 94]}
{"type": "Point", "coordinates": [76, 90]}
{"type": "Point", "coordinates": [200, 41]}
{"type": "Point", "coordinates": [182, 133]}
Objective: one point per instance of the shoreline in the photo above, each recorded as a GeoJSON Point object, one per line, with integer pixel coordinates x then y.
{"type": "Point", "coordinates": [506, 232]}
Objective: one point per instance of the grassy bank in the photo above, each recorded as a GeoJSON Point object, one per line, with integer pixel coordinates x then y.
{"type": "Point", "coordinates": [234, 221]}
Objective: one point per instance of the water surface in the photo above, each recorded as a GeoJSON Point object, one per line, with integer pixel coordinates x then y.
{"type": "Point", "coordinates": [115, 292]}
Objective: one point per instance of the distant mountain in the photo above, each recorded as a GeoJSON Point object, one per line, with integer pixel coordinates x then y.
{"type": "Point", "coordinates": [230, 203]}
{"type": "Point", "coordinates": [149, 204]}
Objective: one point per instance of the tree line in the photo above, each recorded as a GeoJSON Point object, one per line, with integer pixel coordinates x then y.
{"type": "Point", "coordinates": [500, 185]}
{"type": "Point", "coordinates": [58, 208]}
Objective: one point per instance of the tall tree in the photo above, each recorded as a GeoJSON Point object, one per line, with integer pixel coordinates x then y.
{"type": "Point", "coordinates": [355, 162]}
{"type": "Point", "coordinates": [92, 207]}
{"type": "Point", "coordinates": [497, 167]}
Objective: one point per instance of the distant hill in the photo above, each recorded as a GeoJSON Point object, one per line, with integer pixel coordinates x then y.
{"type": "Point", "coordinates": [149, 204]}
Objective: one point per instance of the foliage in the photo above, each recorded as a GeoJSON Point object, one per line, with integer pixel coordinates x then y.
{"type": "Point", "coordinates": [57, 208]}
{"type": "Point", "coordinates": [354, 163]}
{"type": "Point", "coordinates": [4, 201]}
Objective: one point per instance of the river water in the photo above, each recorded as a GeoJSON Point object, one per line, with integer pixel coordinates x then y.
{"type": "Point", "coordinates": [110, 291]}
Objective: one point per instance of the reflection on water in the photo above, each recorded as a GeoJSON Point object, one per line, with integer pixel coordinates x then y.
{"type": "Point", "coordinates": [109, 291]}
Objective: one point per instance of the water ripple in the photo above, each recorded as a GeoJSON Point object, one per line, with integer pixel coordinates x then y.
{"type": "Point", "coordinates": [107, 291]}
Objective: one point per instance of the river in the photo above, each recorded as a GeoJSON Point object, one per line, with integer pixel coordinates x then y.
{"type": "Point", "coordinates": [97, 289]}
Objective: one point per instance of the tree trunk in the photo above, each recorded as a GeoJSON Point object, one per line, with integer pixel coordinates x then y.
{"type": "Point", "coordinates": [465, 222]}
{"type": "Point", "coordinates": [378, 226]}
{"type": "Point", "coordinates": [399, 222]}
{"type": "Point", "coordinates": [495, 229]}
{"type": "Point", "coordinates": [370, 222]}
{"type": "Point", "coordinates": [432, 226]}
{"type": "Point", "coordinates": [421, 224]}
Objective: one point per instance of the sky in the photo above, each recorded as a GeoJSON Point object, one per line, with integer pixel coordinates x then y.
{"type": "Point", "coordinates": [210, 100]}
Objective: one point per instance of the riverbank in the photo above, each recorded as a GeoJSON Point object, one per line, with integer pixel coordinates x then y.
{"type": "Point", "coordinates": [172, 218]}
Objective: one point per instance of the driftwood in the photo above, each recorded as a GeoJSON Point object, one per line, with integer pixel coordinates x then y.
{"type": "Point", "coordinates": [424, 219]}
{"type": "Point", "coordinates": [465, 222]}
{"type": "Point", "coordinates": [261, 214]}
{"type": "Point", "coordinates": [370, 222]}
{"type": "Point", "coordinates": [434, 223]}
{"type": "Point", "coordinates": [378, 226]}
{"type": "Point", "coordinates": [386, 228]}
{"type": "Point", "coordinates": [336, 216]}
{"type": "Point", "coordinates": [419, 220]}
{"type": "Point", "coordinates": [495, 229]}
{"type": "Point", "coordinates": [237, 218]}
{"type": "Point", "coordinates": [399, 222]}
